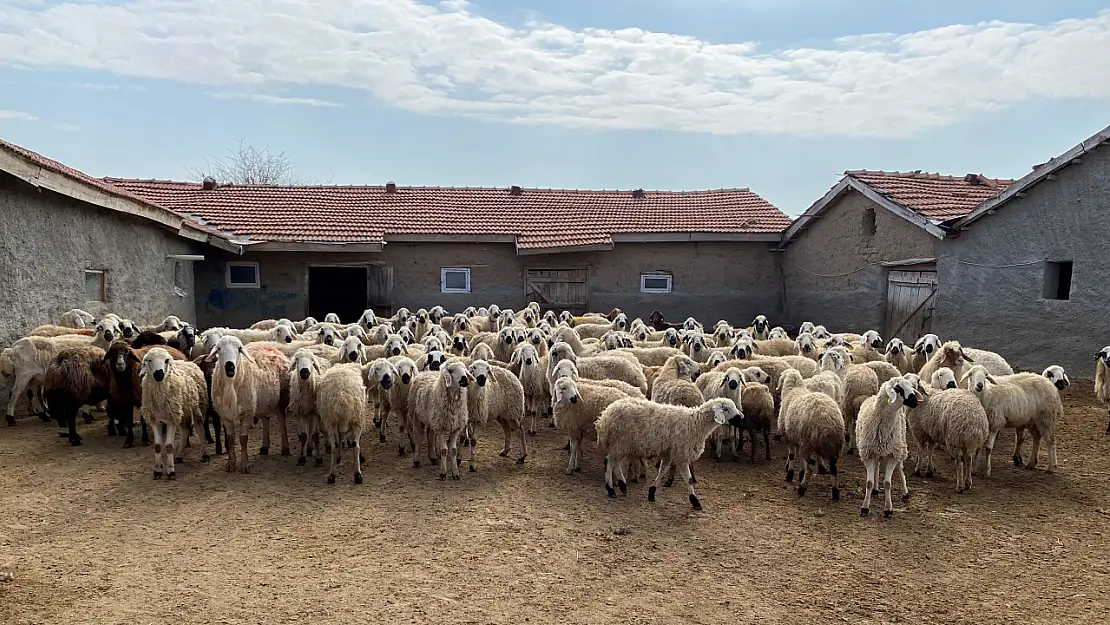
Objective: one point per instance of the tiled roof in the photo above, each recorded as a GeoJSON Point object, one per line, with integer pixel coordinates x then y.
{"type": "Point", "coordinates": [937, 197]}
{"type": "Point", "coordinates": [540, 218]}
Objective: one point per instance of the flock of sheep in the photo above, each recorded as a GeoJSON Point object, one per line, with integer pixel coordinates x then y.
{"type": "Point", "coordinates": [652, 394]}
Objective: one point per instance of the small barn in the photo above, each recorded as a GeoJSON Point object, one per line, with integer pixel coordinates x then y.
{"type": "Point", "coordinates": [310, 250]}
{"type": "Point", "coordinates": [72, 241]}
{"type": "Point", "coordinates": [864, 256]}
{"type": "Point", "coordinates": [1025, 272]}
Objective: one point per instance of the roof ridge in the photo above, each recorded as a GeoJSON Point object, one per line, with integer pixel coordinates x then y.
{"type": "Point", "coordinates": [919, 174]}
{"type": "Point", "coordinates": [115, 181]}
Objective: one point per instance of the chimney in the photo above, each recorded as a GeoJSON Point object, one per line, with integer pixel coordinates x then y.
{"type": "Point", "coordinates": [391, 187]}
{"type": "Point", "coordinates": [639, 194]}
{"type": "Point", "coordinates": [209, 183]}
{"type": "Point", "coordinates": [515, 190]}
{"type": "Point", "coordinates": [975, 179]}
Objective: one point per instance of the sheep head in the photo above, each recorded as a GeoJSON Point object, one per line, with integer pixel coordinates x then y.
{"type": "Point", "coordinates": [227, 351]}
{"type": "Point", "coordinates": [564, 369]}
{"type": "Point", "coordinates": [331, 318]}
{"type": "Point", "coordinates": [481, 372]}
{"type": "Point", "coordinates": [927, 345]}
{"type": "Point", "coordinates": [732, 379]}
{"type": "Point", "coordinates": [977, 379]}
{"type": "Point", "coordinates": [716, 357]}
{"type": "Point", "coordinates": [755, 374]}
{"type": "Point", "coordinates": [900, 390]}
{"type": "Point", "coordinates": [895, 347]}
{"type": "Point", "coordinates": [953, 354]}
{"type": "Point", "coordinates": [527, 356]}
{"type": "Point", "coordinates": [368, 319]}
{"type": "Point", "coordinates": [760, 324]}
{"type": "Point", "coordinates": [379, 373]}
{"type": "Point", "coordinates": [455, 375]}
{"type": "Point", "coordinates": [725, 412]}
{"type": "Point", "coordinates": [1104, 355]}
{"type": "Point", "coordinates": [284, 334]}
{"type": "Point", "coordinates": [351, 350]}
{"type": "Point", "coordinates": [943, 378]}
{"type": "Point", "coordinates": [1056, 375]}
{"type": "Point", "coordinates": [120, 355]}
{"type": "Point", "coordinates": [434, 360]}
{"type": "Point", "coordinates": [158, 364]}
{"type": "Point", "coordinates": [742, 349]}
{"type": "Point", "coordinates": [564, 391]}
{"type": "Point", "coordinates": [805, 344]}
{"type": "Point", "coordinates": [873, 339]}
{"type": "Point", "coordinates": [406, 369]}
{"type": "Point", "coordinates": [304, 363]}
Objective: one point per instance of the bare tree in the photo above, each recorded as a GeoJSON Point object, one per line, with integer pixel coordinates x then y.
{"type": "Point", "coordinates": [248, 164]}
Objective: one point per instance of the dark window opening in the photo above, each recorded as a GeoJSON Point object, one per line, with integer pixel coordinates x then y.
{"type": "Point", "coordinates": [1057, 280]}
{"type": "Point", "coordinates": [95, 289]}
{"type": "Point", "coordinates": [869, 226]}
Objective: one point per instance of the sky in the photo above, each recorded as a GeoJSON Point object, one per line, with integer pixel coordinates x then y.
{"type": "Point", "coordinates": [780, 96]}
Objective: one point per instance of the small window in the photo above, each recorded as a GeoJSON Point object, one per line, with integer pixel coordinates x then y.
{"type": "Point", "coordinates": [655, 283]}
{"type": "Point", "coordinates": [454, 280]}
{"type": "Point", "coordinates": [179, 274]}
{"type": "Point", "coordinates": [1057, 280]}
{"type": "Point", "coordinates": [242, 276]}
{"type": "Point", "coordinates": [869, 227]}
{"type": "Point", "coordinates": [95, 290]}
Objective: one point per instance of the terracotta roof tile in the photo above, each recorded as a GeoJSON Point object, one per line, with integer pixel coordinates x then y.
{"type": "Point", "coordinates": [541, 217]}
{"type": "Point", "coordinates": [937, 197]}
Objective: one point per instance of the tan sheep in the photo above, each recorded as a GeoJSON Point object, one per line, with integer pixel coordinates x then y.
{"type": "Point", "coordinates": [496, 395]}
{"type": "Point", "coordinates": [900, 356]}
{"type": "Point", "coordinates": [813, 428]}
{"type": "Point", "coordinates": [605, 366]}
{"type": "Point", "coordinates": [881, 436]}
{"type": "Point", "coordinates": [860, 382]}
{"type": "Point", "coordinates": [304, 374]}
{"type": "Point", "coordinates": [341, 402]}
{"type": "Point", "coordinates": [1023, 401]}
{"type": "Point", "coordinates": [576, 409]}
{"type": "Point", "coordinates": [675, 383]}
{"type": "Point", "coordinates": [954, 418]}
{"type": "Point", "coordinates": [438, 402]}
{"type": "Point", "coordinates": [175, 395]}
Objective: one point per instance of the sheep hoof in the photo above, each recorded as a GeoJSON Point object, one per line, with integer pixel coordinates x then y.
{"type": "Point", "coordinates": [377, 423]}
{"type": "Point", "coordinates": [63, 434]}
{"type": "Point", "coordinates": [623, 486]}
{"type": "Point", "coordinates": [1017, 461]}
{"type": "Point", "coordinates": [458, 462]}
{"type": "Point", "coordinates": [44, 417]}
{"type": "Point", "coordinates": [790, 475]}
{"type": "Point", "coordinates": [567, 446]}
{"type": "Point", "coordinates": [358, 478]}
{"type": "Point", "coordinates": [11, 420]}
{"type": "Point", "coordinates": [361, 458]}
{"type": "Point", "coordinates": [285, 451]}
{"type": "Point", "coordinates": [577, 469]}
{"type": "Point", "coordinates": [205, 458]}
{"type": "Point", "coordinates": [319, 462]}
{"type": "Point", "coordinates": [416, 464]}
{"type": "Point", "coordinates": [612, 493]}
{"type": "Point", "coordinates": [651, 493]}
{"type": "Point", "coordinates": [520, 460]}
{"type": "Point", "coordinates": [455, 476]}
{"type": "Point", "coordinates": [504, 454]}
{"type": "Point", "coordinates": [88, 418]}
{"type": "Point", "coordinates": [171, 475]}
{"type": "Point", "coordinates": [864, 512]}
{"type": "Point", "coordinates": [836, 494]}
{"type": "Point", "coordinates": [301, 461]}
{"type": "Point", "coordinates": [157, 475]}
{"type": "Point", "coordinates": [112, 430]}
{"type": "Point", "coordinates": [550, 425]}
{"type": "Point", "coordinates": [401, 451]}
{"type": "Point", "coordinates": [443, 477]}
{"type": "Point", "coordinates": [801, 491]}
{"type": "Point", "coordinates": [473, 469]}
{"type": "Point", "coordinates": [821, 470]}
{"type": "Point", "coordinates": [905, 498]}
{"type": "Point", "coordinates": [75, 441]}
{"type": "Point", "coordinates": [331, 479]}
{"type": "Point", "coordinates": [929, 473]}
{"type": "Point", "coordinates": [777, 437]}
{"type": "Point", "coordinates": [887, 514]}
{"type": "Point", "coordinates": [128, 444]}
{"type": "Point", "coordinates": [264, 451]}
{"type": "Point", "coordinates": [695, 503]}
{"type": "Point", "coordinates": [381, 438]}
{"type": "Point", "coordinates": [246, 468]}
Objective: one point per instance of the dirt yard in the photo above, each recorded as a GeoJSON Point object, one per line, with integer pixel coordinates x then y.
{"type": "Point", "coordinates": [88, 537]}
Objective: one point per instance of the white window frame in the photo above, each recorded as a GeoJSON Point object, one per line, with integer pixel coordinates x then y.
{"type": "Point", "coordinates": [443, 271]}
{"type": "Point", "coordinates": [242, 285]}
{"type": "Point", "coordinates": [103, 285]}
{"type": "Point", "coordinates": [644, 277]}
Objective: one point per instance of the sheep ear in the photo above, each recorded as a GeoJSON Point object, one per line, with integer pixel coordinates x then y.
{"type": "Point", "coordinates": [1067, 380]}
{"type": "Point", "coordinates": [724, 381]}
{"type": "Point", "coordinates": [990, 379]}
{"type": "Point", "coordinates": [316, 366]}
{"type": "Point", "coordinates": [170, 365]}
{"type": "Point", "coordinates": [966, 357]}
{"type": "Point", "coordinates": [212, 356]}
{"type": "Point", "coordinates": [964, 377]}
{"type": "Point", "coordinates": [891, 394]}
{"type": "Point", "coordinates": [142, 371]}
{"type": "Point", "coordinates": [243, 351]}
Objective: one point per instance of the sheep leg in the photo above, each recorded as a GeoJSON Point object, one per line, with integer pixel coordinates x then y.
{"type": "Point", "coordinates": [961, 471]}
{"type": "Point", "coordinates": [21, 383]}
{"type": "Point", "coordinates": [718, 448]}
{"type": "Point", "coordinates": [472, 440]}
{"type": "Point", "coordinates": [902, 476]}
{"type": "Point", "coordinates": [689, 477]}
{"type": "Point", "coordinates": [610, 463]}
{"type": "Point", "coordinates": [382, 421]}
{"type": "Point", "coordinates": [1019, 440]}
{"type": "Point", "coordinates": [453, 450]}
{"type": "Point", "coordinates": [888, 471]}
{"type": "Point", "coordinates": [790, 452]}
{"type": "Point", "coordinates": [284, 433]}
{"type": "Point", "coordinates": [127, 426]}
{"type": "Point", "coordinates": [159, 441]}
{"type": "Point", "coordinates": [178, 444]}
{"type": "Point", "coordinates": [574, 443]}
{"type": "Point", "coordinates": [198, 432]}
{"type": "Point", "coordinates": [804, 473]}
{"type": "Point", "coordinates": [969, 462]}
{"type": "Point", "coordinates": [245, 465]}
{"type": "Point", "coordinates": [230, 434]}
{"type": "Point", "coordinates": [871, 465]}
{"type": "Point", "coordinates": [144, 436]}
{"type": "Point", "coordinates": [207, 429]}
{"type": "Point", "coordinates": [265, 449]}
{"type": "Point", "coordinates": [835, 479]}
{"type": "Point", "coordinates": [767, 442]}
{"type": "Point", "coordinates": [71, 425]}
{"type": "Point", "coordinates": [622, 482]}
{"type": "Point", "coordinates": [523, 443]}
{"type": "Point", "coordinates": [433, 447]}
{"type": "Point", "coordinates": [1036, 449]}
{"type": "Point", "coordinates": [336, 446]}
{"type": "Point", "coordinates": [441, 445]}
{"type": "Point", "coordinates": [171, 448]}
{"type": "Point", "coordinates": [1050, 440]}
{"type": "Point", "coordinates": [303, 438]}
{"type": "Point", "coordinates": [507, 431]}
{"type": "Point", "coordinates": [357, 433]}
{"type": "Point", "coordinates": [535, 412]}
{"type": "Point", "coordinates": [217, 428]}
{"type": "Point", "coordinates": [317, 449]}
{"type": "Point", "coordinates": [991, 438]}
{"type": "Point", "coordinates": [664, 464]}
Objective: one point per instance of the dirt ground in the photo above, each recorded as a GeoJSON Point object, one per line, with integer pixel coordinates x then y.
{"type": "Point", "coordinates": [88, 537]}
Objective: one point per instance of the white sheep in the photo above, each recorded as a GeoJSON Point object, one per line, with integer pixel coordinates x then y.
{"type": "Point", "coordinates": [900, 356]}
{"type": "Point", "coordinates": [398, 402]}
{"type": "Point", "coordinates": [1056, 375]}
{"type": "Point", "coordinates": [728, 383]}
{"type": "Point", "coordinates": [761, 328]}
{"type": "Point", "coordinates": [534, 379]}
{"type": "Point", "coordinates": [438, 402]}
{"type": "Point", "coordinates": [813, 428]}
{"type": "Point", "coordinates": [576, 407]}
{"type": "Point", "coordinates": [860, 382]}
{"type": "Point", "coordinates": [332, 318]}
{"type": "Point", "coordinates": [881, 438]}
{"type": "Point", "coordinates": [614, 365]}
{"type": "Point", "coordinates": [924, 349]}
{"type": "Point", "coordinates": [675, 383]}
{"type": "Point", "coordinates": [1102, 379]}
{"type": "Point", "coordinates": [341, 403]}
{"type": "Point", "coordinates": [637, 428]}
{"type": "Point", "coordinates": [76, 318]}
{"type": "Point", "coordinates": [304, 374]}
{"type": "Point", "coordinates": [806, 345]}
{"type": "Point", "coordinates": [952, 417]}
{"type": "Point", "coordinates": [249, 384]}
{"type": "Point", "coordinates": [175, 396]}
{"type": "Point", "coordinates": [1021, 401]}
{"type": "Point", "coordinates": [991, 361]}
{"type": "Point", "coordinates": [496, 395]}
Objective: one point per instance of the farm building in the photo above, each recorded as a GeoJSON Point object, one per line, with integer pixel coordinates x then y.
{"type": "Point", "coordinates": [73, 241]}
{"type": "Point", "coordinates": [314, 250]}
{"type": "Point", "coordinates": [1025, 272]}
{"type": "Point", "coordinates": [864, 255]}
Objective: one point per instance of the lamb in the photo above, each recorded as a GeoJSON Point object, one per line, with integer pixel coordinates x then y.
{"type": "Point", "coordinates": [758, 406]}
{"type": "Point", "coordinates": [675, 383]}
{"type": "Point", "coordinates": [860, 382]}
{"type": "Point", "coordinates": [76, 318]}
{"type": "Point", "coordinates": [27, 360]}
{"type": "Point", "coordinates": [536, 383]}
{"type": "Point", "coordinates": [497, 395]}
{"type": "Point", "coordinates": [175, 395]}
{"type": "Point", "coordinates": [77, 377]}
{"type": "Point", "coordinates": [399, 401]}
{"type": "Point", "coordinates": [341, 403]}
{"type": "Point", "coordinates": [898, 355]}
{"type": "Point", "coordinates": [125, 388]}
{"type": "Point", "coordinates": [304, 374]}
{"type": "Point", "coordinates": [881, 436]}
{"type": "Point", "coordinates": [251, 383]}
{"type": "Point", "coordinates": [761, 328]}
{"type": "Point", "coordinates": [1021, 401]}
{"type": "Point", "coordinates": [813, 428]}
{"type": "Point", "coordinates": [615, 366]}
{"type": "Point", "coordinates": [636, 428]}
{"type": "Point", "coordinates": [438, 402]}
{"type": "Point", "coordinates": [576, 408]}
{"type": "Point", "coordinates": [924, 349]}
{"type": "Point", "coordinates": [379, 377]}
{"type": "Point", "coordinates": [1056, 375]}
{"type": "Point", "coordinates": [728, 383]}
{"type": "Point", "coordinates": [954, 418]}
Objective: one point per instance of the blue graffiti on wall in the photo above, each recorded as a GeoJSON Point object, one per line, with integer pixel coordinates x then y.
{"type": "Point", "coordinates": [262, 302]}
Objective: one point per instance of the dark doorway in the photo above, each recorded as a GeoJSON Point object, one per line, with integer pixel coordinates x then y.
{"type": "Point", "coordinates": [339, 290]}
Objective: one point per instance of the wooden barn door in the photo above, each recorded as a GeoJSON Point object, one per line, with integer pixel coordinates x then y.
{"type": "Point", "coordinates": [557, 289]}
{"type": "Point", "coordinates": [380, 290]}
{"type": "Point", "coordinates": [911, 299]}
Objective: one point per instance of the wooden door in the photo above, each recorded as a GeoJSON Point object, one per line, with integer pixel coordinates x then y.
{"type": "Point", "coordinates": [911, 300]}
{"type": "Point", "coordinates": [380, 290]}
{"type": "Point", "coordinates": [557, 289]}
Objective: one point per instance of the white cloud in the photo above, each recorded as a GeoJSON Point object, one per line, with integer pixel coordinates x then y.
{"type": "Point", "coordinates": [272, 99]}
{"type": "Point", "coordinates": [442, 58]}
{"type": "Point", "coordinates": [17, 115]}
{"type": "Point", "coordinates": [66, 127]}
